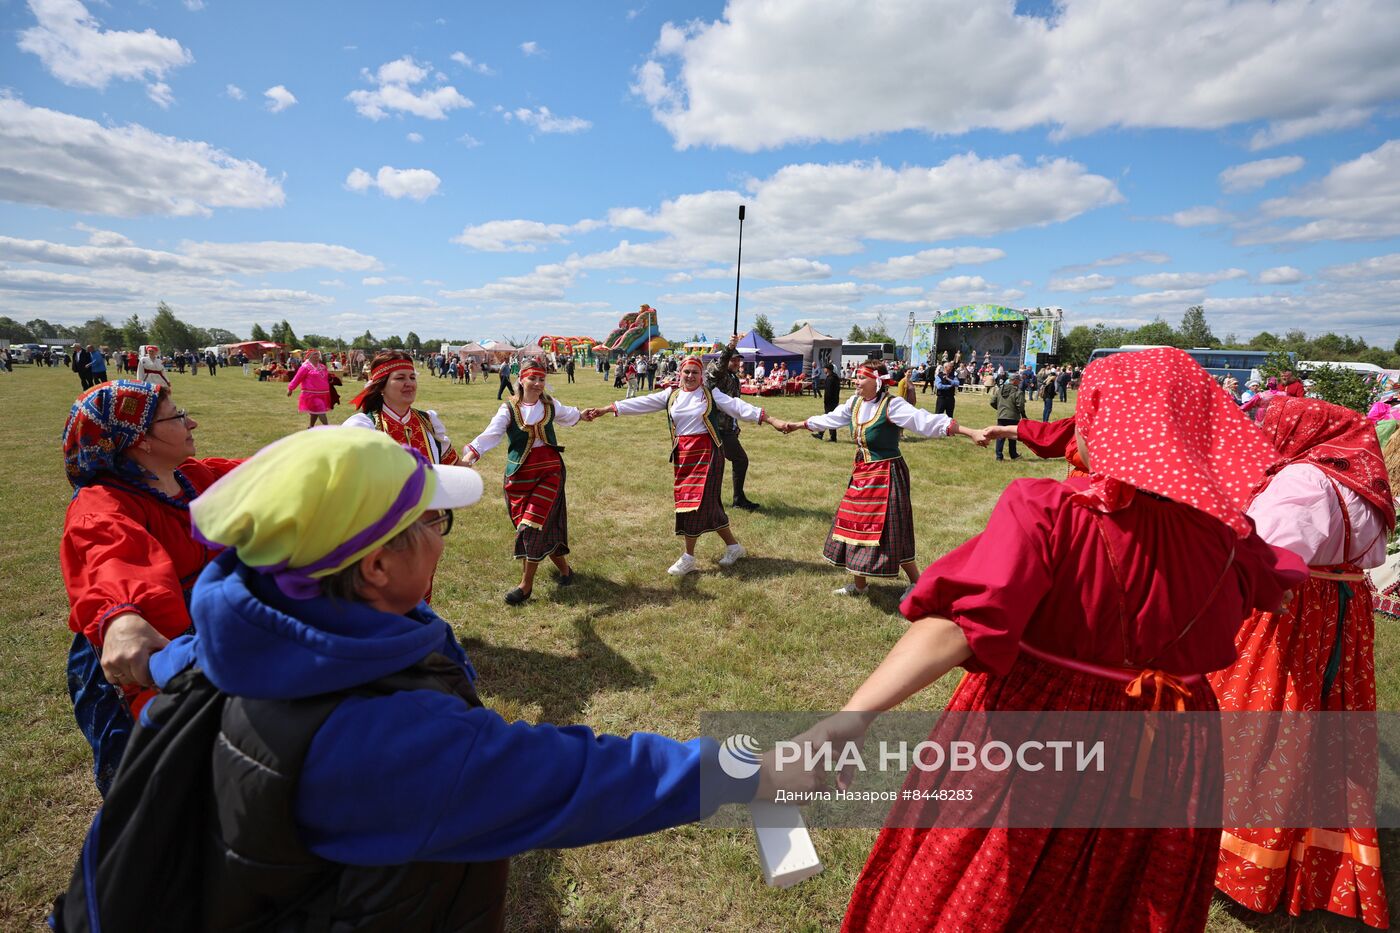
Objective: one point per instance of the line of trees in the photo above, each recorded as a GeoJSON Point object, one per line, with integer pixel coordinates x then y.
{"type": "Point", "coordinates": [1195, 331]}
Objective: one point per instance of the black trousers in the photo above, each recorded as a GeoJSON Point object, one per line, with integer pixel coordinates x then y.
{"type": "Point", "coordinates": [946, 400]}
{"type": "Point", "coordinates": [738, 458]}
{"type": "Point", "coordinates": [1002, 441]}
{"type": "Point", "coordinates": [571, 374]}
{"type": "Point", "coordinates": [504, 387]}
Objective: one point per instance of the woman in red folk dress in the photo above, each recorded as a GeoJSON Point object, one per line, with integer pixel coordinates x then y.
{"type": "Point", "coordinates": [1114, 592]}
{"type": "Point", "coordinates": [1328, 501]}
{"type": "Point", "coordinates": [128, 560]}
{"type": "Point", "coordinates": [386, 404]}
{"type": "Point", "coordinates": [535, 475]}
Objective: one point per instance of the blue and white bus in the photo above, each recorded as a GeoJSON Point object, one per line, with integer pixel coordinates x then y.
{"type": "Point", "coordinates": [1218, 361]}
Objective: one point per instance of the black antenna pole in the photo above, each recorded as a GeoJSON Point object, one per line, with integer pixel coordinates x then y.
{"type": "Point", "coordinates": [738, 269]}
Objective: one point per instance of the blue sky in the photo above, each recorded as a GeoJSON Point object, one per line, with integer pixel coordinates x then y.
{"type": "Point", "coordinates": [542, 168]}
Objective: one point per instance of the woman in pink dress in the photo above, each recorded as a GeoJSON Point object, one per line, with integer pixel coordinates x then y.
{"type": "Point", "coordinates": [314, 380]}
{"type": "Point", "coordinates": [1118, 592]}
{"type": "Point", "coordinates": [1328, 500]}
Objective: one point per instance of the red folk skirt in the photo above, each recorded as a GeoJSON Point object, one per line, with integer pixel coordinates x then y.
{"type": "Point", "coordinates": [699, 486]}
{"type": "Point", "coordinates": [873, 531]}
{"type": "Point", "coordinates": [1070, 879]}
{"type": "Point", "coordinates": [1283, 658]}
{"type": "Point", "coordinates": [538, 509]}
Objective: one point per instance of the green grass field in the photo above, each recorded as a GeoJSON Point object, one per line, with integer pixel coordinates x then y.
{"type": "Point", "coordinates": [626, 649]}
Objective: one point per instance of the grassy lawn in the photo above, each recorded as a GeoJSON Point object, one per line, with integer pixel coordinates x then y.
{"type": "Point", "coordinates": [626, 649]}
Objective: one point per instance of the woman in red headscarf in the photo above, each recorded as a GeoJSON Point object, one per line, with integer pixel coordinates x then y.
{"type": "Point", "coordinates": [386, 404]}
{"type": "Point", "coordinates": [534, 483]}
{"type": "Point", "coordinates": [128, 560]}
{"type": "Point", "coordinates": [1328, 500]}
{"type": "Point", "coordinates": [1114, 592]}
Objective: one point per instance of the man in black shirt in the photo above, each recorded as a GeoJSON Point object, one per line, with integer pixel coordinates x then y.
{"type": "Point", "coordinates": [831, 397]}
{"type": "Point", "coordinates": [723, 374]}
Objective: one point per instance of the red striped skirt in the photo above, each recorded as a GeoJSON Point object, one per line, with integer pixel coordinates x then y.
{"type": "Point", "coordinates": [893, 540]}
{"type": "Point", "coordinates": [1282, 662]}
{"type": "Point", "coordinates": [1070, 879]}
{"type": "Point", "coordinates": [699, 486]}
{"type": "Point", "coordinates": [538, 509]}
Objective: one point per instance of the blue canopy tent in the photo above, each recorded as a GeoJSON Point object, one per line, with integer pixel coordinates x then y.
{"type": "Point", "coordinates": [754, 348]}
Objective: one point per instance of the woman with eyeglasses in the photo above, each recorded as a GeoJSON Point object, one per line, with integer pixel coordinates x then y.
{"type": "Point", "coordinates": [534, 483]}
{"type": "Point", "coordinates": [127, 557]}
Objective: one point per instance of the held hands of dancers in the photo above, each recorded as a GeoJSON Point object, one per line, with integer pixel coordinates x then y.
{"type": "Point", "coordinates": [786, 427]}
{"type": "Point", "coordinates": [837, 731]}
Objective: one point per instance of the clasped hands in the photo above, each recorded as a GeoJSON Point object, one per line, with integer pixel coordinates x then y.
{"type": "Point", "coordinates": [786, 427]}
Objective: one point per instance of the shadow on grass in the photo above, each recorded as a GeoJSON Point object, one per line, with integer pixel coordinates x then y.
{"type": "Point", "coordinates": [537, 896]}
{"type": "Point", "coordinates": [776, 509]}
{"type": "Point", "coordinates": [612, 596]}
{"type": "Point", "coordinates": [757, 568]}
{"type": "Point", "coordinates": [561, 684]}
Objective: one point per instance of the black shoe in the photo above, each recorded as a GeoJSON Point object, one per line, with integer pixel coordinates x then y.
{"type": "Point", "coordinates": [566, 579]}
{"type": "Point", "coordinates": [1015, 456]}
{"type": "Point", "coordinates": [831, 439]}
{"type": "Point", "coordinates": [516, 596]}
{"type": "Point", "coordinates": [747, 504]}
{"type": "Point", "coordinates": [817, 436]}
{"type": "Point", "coordinates": [999, 459]}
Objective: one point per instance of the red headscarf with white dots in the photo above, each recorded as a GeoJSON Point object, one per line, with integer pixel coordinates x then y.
{"type": "Point", "coordinates": [1155, 420]}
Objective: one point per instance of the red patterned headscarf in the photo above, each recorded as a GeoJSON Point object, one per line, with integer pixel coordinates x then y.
{"type": "Point", "coordinates": [104, 423]}
{"type": "Point", "coordinates": [378, 376]}
{"type": "Point", "coordinates": [1155, 420]}
{"type": "Point", "coordinates": [1336, 440]}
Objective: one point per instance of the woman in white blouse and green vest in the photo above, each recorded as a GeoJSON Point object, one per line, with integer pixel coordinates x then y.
{"type": "Point", "coordinates": [697, 454]}
{"type": "Point", "coordinates": [872, 534]}
{"type": "Point", "coordinates": [534, 484]}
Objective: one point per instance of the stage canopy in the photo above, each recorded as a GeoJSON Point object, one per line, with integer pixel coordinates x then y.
{"type": "Point", "coordinates": [753, 348]}
{"type": "Point", "coordinates": [816, 348]}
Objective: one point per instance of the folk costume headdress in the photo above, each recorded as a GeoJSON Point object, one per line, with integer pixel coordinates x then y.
{"type": "Point", "coordinates": [312, 504]}
{"type": "Point", "coordinates": [104, 423]}
{"type": "Point", "coordinates": [380, 375]}
{"type": "Point", "coordinates": [692, 360]}
{"type": "Point", "coordinates": [1155, 420]}
{"type": "Point", "coordinates": [1336, 440]}
{"type": "Point", "coordinates": [535, 366]}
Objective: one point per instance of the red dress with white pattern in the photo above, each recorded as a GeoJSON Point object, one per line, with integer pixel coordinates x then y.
{"type": "Point", "coordinates": [1114, 588]}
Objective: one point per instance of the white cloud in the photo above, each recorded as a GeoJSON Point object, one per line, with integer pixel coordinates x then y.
{"type": "Point", "coordinates": [1357, 200]}
{"type": "Point", "coordinates": [1253, 175]}
{"type": "Point", "coordinates": [278, 256]}
{"type": "Point", "coordinates": [374, 280]}
{"type": "Point", "coordinates": [694, 298]}
{"type": "Point", "coordinates": [403, 301]}
{"type": "Point", "coordinates": [1176, 297]}
{"type": "Point", "coordinates": [194, 6]}
{"type": "Point", "coordinates": [928, 262]}
{"type": "Point", "coordinates": [76, 50]}
{"type": "Point", "coordinates": [544, 283]}
{"type": "Point", "coordinates": [71, 163]}
{"type": "Point", "coordinates": [415, 137]}
{"type": "Point", "coordinates": [1374, 268]}
{"type": "Point", "coordinates": [281, 296]}
{"type": "Point", "coordinates": [1280, 275]}
{"type": "Point", "coordinates": [1178, 280]}
{"type": "Point", "coordinates": [359, 180]}
{"type": "Point", "coordinates": [823, 209]}
{"type": "Point", "coordinates": [467, 62]}
{"type": "Point", "coordinates": [395, 90]}
{"type": "Point", "coordinates": [1328, 121]}
{"type": "Point", "coordinates": [516, 236]}
{"type": "Point", "coordinates": [1083, 283]}
{"type": "Point", "coordinates": [468, 140]}
{"type": "Point", "coordinates": [1120, 259]}
{"type": "Point", "coordinates": [544, 121]}
{"type": "Point", "coordinates": [531, 48]}
{"type": "Point", "coordinates": [279, 98]}
{"type": "Point", "coordinates": [772, 72]}
{"type": "Point", "coordinates": [1198, 217]}
{"type": "Point", "coordinates": [233, 92]}
{"type": "Point", "coordinates": [160, 93]}
{"type": "Point", "coordinates": [416, 183]}
{"type": "Point", "coordinates": [839, 293]}
{"type": "Point", "coordinates": [792, 269]}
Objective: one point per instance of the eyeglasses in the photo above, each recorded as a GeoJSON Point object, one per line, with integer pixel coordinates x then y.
{"type": "Point", "coordinates": [441, 523]}
{"type": "Point", "coordinates": [180, 415]}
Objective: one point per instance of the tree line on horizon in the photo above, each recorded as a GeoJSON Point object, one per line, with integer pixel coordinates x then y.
{"type": "Point", "coordinates": [165, 329]}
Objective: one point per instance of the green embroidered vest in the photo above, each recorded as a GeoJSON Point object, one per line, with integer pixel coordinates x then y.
{"type": "Point", "coordinates": [878, 438]}
{"type": "Point", "coordinates": [520, 437]}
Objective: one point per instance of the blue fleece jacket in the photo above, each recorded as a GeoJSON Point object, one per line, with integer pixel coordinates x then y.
{"type": "Point", "coordinates": [419, 775]}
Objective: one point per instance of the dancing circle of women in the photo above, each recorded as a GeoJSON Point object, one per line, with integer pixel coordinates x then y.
{"type": "Point", "coordinates": [1086, 593]}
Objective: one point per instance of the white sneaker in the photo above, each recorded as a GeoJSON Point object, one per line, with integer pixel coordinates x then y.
{"type": "Point", "coordinates": [683, 566]}
{"type": "Point", "coordinates": [732, 553]}
{"type": "Point", "coordinates": [850, 589]}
